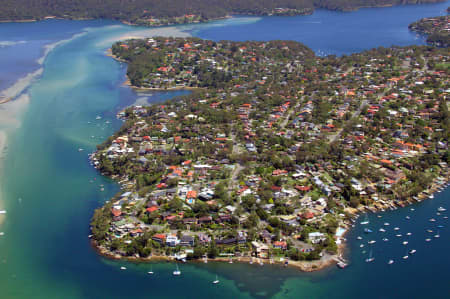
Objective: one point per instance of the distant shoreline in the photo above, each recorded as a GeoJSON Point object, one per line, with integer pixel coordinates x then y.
{"type": "Point", "coordinates": [308, 11]}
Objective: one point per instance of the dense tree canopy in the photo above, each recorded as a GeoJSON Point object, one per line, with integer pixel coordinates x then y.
{"type": "Point", "coordinates": [134, 10]}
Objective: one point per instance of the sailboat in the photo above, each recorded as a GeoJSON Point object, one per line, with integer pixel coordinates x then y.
{"type": "Point", "coordinates": [151, 270]}
{"type": "Point", "coordinates": [406, 256]}
{"type": "Point", "coordinates": [216, 281]}
{"type": "Point", "coordinates": [177, 272]}
{"type": "Point", "coordinates": [366, 220]}
{"type": "Point", "coordinates": [370, 258]}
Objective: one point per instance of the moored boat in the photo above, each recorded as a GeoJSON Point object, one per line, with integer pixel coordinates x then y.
{"type": "Point", "coordinates": [342, 265]}
{"type": "Point", "coordinates": [177, 271]}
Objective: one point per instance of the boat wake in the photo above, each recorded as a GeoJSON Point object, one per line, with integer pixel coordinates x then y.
{"type": "Point", "coordinates": [7, 43]}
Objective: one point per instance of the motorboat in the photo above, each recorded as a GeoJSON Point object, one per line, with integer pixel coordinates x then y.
{"type": "Point", "coordinates": [441, 209]}
{"type": "Point", "coordinates": [367, 230]}
{"type": "Point", "coordinates": [177, 271]}
{"type": "Point", "coordinates": [390, 262]}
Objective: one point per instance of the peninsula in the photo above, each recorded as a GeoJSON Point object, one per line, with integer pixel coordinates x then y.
{"type": "Point", "coordinates": [437, 30]}
{"type": "Point", "coordinates": [274, 152]}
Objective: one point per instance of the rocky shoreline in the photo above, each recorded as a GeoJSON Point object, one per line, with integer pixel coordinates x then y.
{"type": "Point", "coordinates": [304, 266]}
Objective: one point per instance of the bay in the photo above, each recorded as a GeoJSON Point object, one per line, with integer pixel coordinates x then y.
{"type": "Point", "coordinates": [50, 190]}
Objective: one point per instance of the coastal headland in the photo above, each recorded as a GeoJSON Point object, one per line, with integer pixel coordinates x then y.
{"type": "Point", "coordinates": [275, 152]}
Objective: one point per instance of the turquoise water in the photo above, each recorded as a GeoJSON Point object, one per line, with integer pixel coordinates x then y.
{"type": "Point", "coordinates": [50, 190]}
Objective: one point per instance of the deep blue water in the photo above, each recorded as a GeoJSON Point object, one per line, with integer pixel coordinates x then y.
{"type": "Point", "coordinates": [47, 190]}
{"type": "Point", "coordinates": [331, 32]}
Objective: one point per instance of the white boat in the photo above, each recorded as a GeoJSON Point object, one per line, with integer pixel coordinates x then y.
{"type": "Point", "coordinates": [177, 272]}
{"type": "Point", "coordinates": [386, 224]}
{"type": "Point", "coordinates": [407, 217]}
{"type": "Point", "coordinates": [80, 149]}
{"type": "Point", "coordinates": [432, 220]}
{"type": "Point", "coordinates": [385, 239]}
{"type": "Point", "coordinates": [342, 265]}
{"type": "Point", "coordinates": [2, 233]}
{"type": "Point", "coordinates": [431, 196]}
{"type": "Point", "coordinates": [445, 217]}
{"type": "Point", "coordinates": [123, 268]}
{"type": "Point", "coordinates": [408, 234]}
{"type": "Point", "coordinates": [390, 262]}
{"type": "Point", "coordinates": [412, 209]}
{"type": "Point", "coordinates": [370, 258]}
{"type": "Point", "coordinates": [151, 271]}
{"type": "Point", "coordinates": [216, 281]}
{"type": "Point", "coordinates": [382, 230]}
{"type": "Point", "coordinates": [98, 117]}
{"type": "Point", "coordinates": [405, 243]}
{"type": "Point", "coordinates": [366, 220]}
{"type": "Point", "coordinates": [396, 228]}
{"type": "Point", "coordinates": [361, 246]}
{"type": "Point", "coordinates": [405, 257]}
{"type": "Point", "coordinates": [441, 209]}
{"type": "Point", "coordinates": [412, 251]}
{"type": "Point", "coordinates": [2, 211]}
{"type": "Point", "coordinates": [359, 237]}
{"type": "Point", "coordinates": [429, 230]}
{"type": "Point", "coordinates": [398, 235]}
{"type": "Point", "coordinates": [372, 242]}
{"type": "Point", "coordinates": [437, 235]}
{"type": "Point", "coordinates": [231, 261]}
{"type": "Point", "coordinates": [427, 240]}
